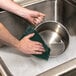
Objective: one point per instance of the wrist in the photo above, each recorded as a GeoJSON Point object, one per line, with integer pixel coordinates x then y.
{"type": "Point", "coordinates": [16, 44]}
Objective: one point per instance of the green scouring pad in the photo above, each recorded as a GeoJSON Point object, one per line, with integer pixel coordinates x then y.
{"type": "Point", "coordinates": [45, 55]}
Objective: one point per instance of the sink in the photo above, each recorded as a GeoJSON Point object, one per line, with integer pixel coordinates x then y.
{"type": "Point", "coordinates": [70, 73]}
{"type": "Point", "coordinates": [4, 71]}
{"type": "Point", "coordinates": [19, 24]}
{"type": "Point", "coordinates": [70, 24]}
{"type": "Point", "coordinates": [69, 17]}
{"type": "Point", "coordinates": [66, 69]}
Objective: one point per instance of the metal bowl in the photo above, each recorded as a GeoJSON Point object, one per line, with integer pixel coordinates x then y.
{"type": "Point", "coordinates": [55, 35]}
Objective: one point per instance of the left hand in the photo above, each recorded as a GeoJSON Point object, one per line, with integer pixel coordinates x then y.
{"type": "Point", "coordinates": [33, 16]}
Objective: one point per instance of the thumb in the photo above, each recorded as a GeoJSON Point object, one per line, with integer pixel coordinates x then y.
{"type": "Point", "coordinates": [30, 35]}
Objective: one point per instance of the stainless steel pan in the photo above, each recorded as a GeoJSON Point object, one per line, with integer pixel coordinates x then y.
{"type": "Point", "coordinates": [55, 36]}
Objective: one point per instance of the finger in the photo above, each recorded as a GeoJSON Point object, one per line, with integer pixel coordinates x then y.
{"type": "Point", "coordinates": [41, 18]}
{"type": "Point", "coordinates": [37, 52]}
{"type": "Point", "coordinates": [41, 14]}
{"type": "Point", "coordinates": [37, 20]}
{"type": "Point", "coordinates": [31, 19]}
{"type": "Point", "coordinates": [38, 43]}
{"type": "Point", "coordinates": [39, 49]}
{"type": "Point", "coordinates": [30, 35]}
{"type": "Point", "coordinates": [39, 46]}
{"type": "Point", "coordinates": [34, 21]}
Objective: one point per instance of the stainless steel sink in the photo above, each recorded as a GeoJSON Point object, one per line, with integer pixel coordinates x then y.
{"type": "Point", "coordinates": [17, 25]}
{"type": "Point", "coordinates": [66, 69]}
{"type": "Point", "coordinates": [69, 17]}
{"type": "Point", "coordinates": [70, 73]}
{"type": "Point", "coordinates": [4, 71]}
{"type": "Point", "coordinates": [69, 23]}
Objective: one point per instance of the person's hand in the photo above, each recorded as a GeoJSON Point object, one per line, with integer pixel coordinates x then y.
{"type": "Point", "coordinates": [28, 46]}
{"type": "Point", "coordinates": [33, 16]}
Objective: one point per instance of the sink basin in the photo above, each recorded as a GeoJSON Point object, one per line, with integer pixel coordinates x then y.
{"type": "Point", "coordinates": [17, 25]}
{"type": "Point", "coordinates": [70, 24]}
{"type": "Point", "coordinates": [70, 16]}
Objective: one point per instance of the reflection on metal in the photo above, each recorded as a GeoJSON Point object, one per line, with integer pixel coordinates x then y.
{"type": "Point", "coordinates": [55, 36]}
{"type": "Point", "coordinates": [3, 69]}
{"type": "Point", "coordinates": [70, 16]}
{"type": "Point", "coordinates": [66, 69]}
{"type": "Point", "coordinates": [28, 2]}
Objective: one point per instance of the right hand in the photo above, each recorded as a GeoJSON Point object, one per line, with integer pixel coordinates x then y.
{"type": "Point", "coordinates": [28, 46]}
